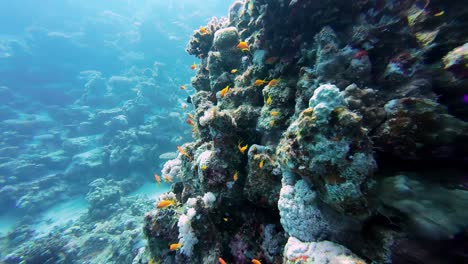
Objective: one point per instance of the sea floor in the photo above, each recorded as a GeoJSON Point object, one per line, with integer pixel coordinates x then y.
{"type": "Point", "coordinates": [151, 190]}
{"type": "Point", "coordinates": [60, 215]}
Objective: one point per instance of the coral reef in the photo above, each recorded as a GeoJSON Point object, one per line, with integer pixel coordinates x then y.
{"type": "Point", "coordinates": [304, 112]}
{"type": "Point", "coordinates": [114, 238]}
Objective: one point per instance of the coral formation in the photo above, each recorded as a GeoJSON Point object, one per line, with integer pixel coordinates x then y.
{"type": "Point", "coordinates": [304, 111]}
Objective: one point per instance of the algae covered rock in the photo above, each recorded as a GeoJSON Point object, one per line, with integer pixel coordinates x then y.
{"type": "Point", "coordinates": [327, 146]}
{"type": "Point", "coordinates": [421, 129]}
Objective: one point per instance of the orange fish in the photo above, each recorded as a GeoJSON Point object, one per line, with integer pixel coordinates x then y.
{"type": "Point", "coordinates": [304, 258]}
{"type": "Point", "coordinates": [183, 87]}
{"type": "Point", "coordinates": [439, 13]}
{"type": "Point", "coordinates": [221, 261]}
{"type": "Point", "coordinates": [167, 178]}
{"type": "Point", "coordinates": [158, 179]}
{"type": "Point", "coordinates": [190, 122]}
{"type": "Point", "coordinates": [182, 151]}
{"type": "Point", "coordinates": [193, 66]}
{"type": "Point", "coordinates": [203, 30]}
{"type": "Point", "coordinates": [235, 177]}
{"type": "Point", "coordinates": [165, 203]}
{"type": "Point", "coordinates": [271, 60]}
{"type": "Point", "coordinates": [273, 82]}
{"type": "Point", "coordinates": [174, 247]}
{"type": "Point", "coordinates": [190, 115]}
{"type": "Point", "coordinates": [274, 113]}
{"type": "Point", "coordinates": [243, 46]}
{"type": "Point", "coordinates": [224, 91]}
{"type": "Point", "coordinates": [256, 261]}
{"type": "Point", "coordinates": [242, 149]}
{"type": "Point", "coordinates": [260, 165]}
{"type": "Point", "coordinates": [260, 82]}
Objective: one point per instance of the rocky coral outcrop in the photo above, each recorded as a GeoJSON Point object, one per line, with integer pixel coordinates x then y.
{"type": "Point", "coordinates": [297, 103]}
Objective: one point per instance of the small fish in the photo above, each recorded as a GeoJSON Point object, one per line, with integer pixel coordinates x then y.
{"type": "Point", "coordinates": [224, 91]}
{"type": "Point", "coordinates": [183, 87]}
{"type": "Point", "coordinates": [242, 149]}
{"type": "Point", "coordinates": [190, 115]}
{"type": "Point", "coordinates": [260, 165]}
{"type": "Point", "coordinates": [243, 46]}
{"type": "Point", "coordinates": [274, 113]}
{"type": "Point", "coordinates": [272, 123]}
{"type": "Point", "coordinates": [190, 122]}
{"type": "Point", "coordinates": [235, 177]}
{"type": "Point", "coordinates": [167, 178]}
{"type": "Point", "coordinates": [260, 82]}
{"type": "Point", "coordinates": [225, 219]}
{"type": "Point", "coordinates": [233, 70]}
{"type": "Point", "coordinates": [181, 150]}
{"type": "Point", "coordinates": [273, 82]}
{"type": "Point", "coordinates": [158, 179]}
{"type": "Point", "coordinates": [204, 167]}
{"type": "Point", "coordinates": [165, 203]}
{"type": "Point", "coordinates": [193, 66]}
{"type": "Point", "coordinates": [221, 261]}
{"type": "Point", "coordinates": [438, 14]}
{"type": "Point", "coordinates": [271, 60]}
{"type": "Point", "coordinates": [174, 247]}
{"type": "Point", "coordinates": [203, 30]}
{"type": "Point", "coordinates": [184, 106]}
{"type": "Point", "coordinates": [268, 101]}
{"type": "Point", "coordinates": [256, 261]}
{"type": "Point", "coordinates": [358, 55]}
{"type": "Point", "coordinates": [304, 258]}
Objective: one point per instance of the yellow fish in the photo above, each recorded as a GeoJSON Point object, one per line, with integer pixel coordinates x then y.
{"type": "Point", "coordinates": [235, 177]}
{"type": "Point", "coordinates": [204, 167]}
{"type": "Point", "coordinates": [224, 91]}
{"type": "Point", "coordinates": [268, 101]}
{"type": "Point", "coordinates": [260, 165]}
{"type": "Point", "coordinates": [233, 70]}
{"type": "Point", "coordinates": [438, 14]}
{"type": "Point", "coordinates": [165, 203]}
{"type": "Point", "coordinates": [242, 149]}
{"type": "Point", "coordinates": [174, 247]}
{"type": "Point", "coordinates": [274, 113]}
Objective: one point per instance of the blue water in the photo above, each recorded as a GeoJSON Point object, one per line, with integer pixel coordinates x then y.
{"type": "Point", "coordinates": [89, 90]}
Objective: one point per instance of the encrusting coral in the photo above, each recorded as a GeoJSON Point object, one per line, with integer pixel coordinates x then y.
{"type": "Point", "coordinates": [304, 112]}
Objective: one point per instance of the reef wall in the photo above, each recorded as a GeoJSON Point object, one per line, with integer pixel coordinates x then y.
{"type": "Point", "coordinates": [324, 132]}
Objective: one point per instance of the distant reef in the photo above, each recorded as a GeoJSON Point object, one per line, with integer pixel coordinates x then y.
{"type": "Point", "coordinates": [327, 131]}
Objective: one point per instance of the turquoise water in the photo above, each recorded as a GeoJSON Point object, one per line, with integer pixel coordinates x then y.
{"type": "Point", "coordinates": [85, 88]}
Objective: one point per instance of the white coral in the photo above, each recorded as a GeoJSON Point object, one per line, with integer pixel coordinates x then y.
{"type": "Point", "coordinates": [209, 199]}
{"type": "Point", "coordinates": [208, 115]}
{"type": "Point", "coordinates": [186, 235]}
{"type": "Point", "coordinates": [319, 252]}
{"type": "Point", "coordinates": [299, 213]}
{"type": "Point", "coordinates": [172, 168]}
{"type": "Point", "coordinates": [325, 99]}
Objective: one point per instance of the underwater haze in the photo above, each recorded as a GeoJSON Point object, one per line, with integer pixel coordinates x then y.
{"type": "Point", "coordinates": [90, 110]}
{"type": "Point", "coordinates": [234, 131]}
